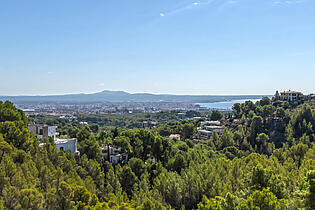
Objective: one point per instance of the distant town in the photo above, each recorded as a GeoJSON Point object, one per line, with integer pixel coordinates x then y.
{"type": "Point", "coordinates": [205, 130]}
{"type": "Point", "coordinates": [67, 110]}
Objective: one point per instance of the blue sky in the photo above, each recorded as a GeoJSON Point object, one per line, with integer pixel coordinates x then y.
{"type": "Point", "coordinates": [157, 46]}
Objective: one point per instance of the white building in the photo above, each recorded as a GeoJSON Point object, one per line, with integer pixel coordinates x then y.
{"type": "Point", "coordinates": [291, 95]}
{"type": "Point", "coordinates": [67, 145]}
{"type": "Point", "coordinates": [115, 154]}
{"type": "Point", "coordinates": [204, 134]}
{"type": "Point", "coordinates": [218, 129]}
{"type": "Point", "coordinates": [207, 128]}
{"type": "Point", "coordinates": [28, 111]}
{"type": "Point", "coordinates": [211, 123]}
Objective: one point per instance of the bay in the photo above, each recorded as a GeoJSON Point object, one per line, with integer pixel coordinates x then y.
{"type": "Point", "coordinates": [224, 105]}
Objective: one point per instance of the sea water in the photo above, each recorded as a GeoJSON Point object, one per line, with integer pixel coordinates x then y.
{"type": "Point", "coordinates": [224, 105]}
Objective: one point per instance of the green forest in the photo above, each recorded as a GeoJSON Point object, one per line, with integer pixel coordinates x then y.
{"type": "Point", "coordinates": [264, 159]}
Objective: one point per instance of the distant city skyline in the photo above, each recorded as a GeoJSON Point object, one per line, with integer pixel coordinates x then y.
{"type": "Point", "coordinates": [184, 47]}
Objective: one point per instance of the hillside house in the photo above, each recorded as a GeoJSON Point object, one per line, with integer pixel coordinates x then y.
{"type": "Point", "coordinates": [203, 134]}
{"type": "Point", "coordinates": [291, 95]}
{"type": "Point", "coordinates": [67, 145]}
{"type": "Point", "coordinates": [115, 154]}
{"type": "Point", "coordinates": [211, 123]}
{"type": "Point", "coordinates": [43, 131]}
{"type": "Point", "coordinates": [212, 128]}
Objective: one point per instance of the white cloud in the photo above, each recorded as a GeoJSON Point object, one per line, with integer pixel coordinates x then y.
{"type": "Point", "coordinates": [199, 3]}
{"type": "Point", "coordinates": [287, 2]}
{"type": "Point", "coordinates": [227, 3]}
{"type": "Point", "coordinates": [101, 84]}
{"type": "Point", "coordinates": [231, 2]}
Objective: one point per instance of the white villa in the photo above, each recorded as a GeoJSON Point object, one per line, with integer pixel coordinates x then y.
{"type": "Point", "coordinates": [218, 129]}
{"type": "Point", "coordinates": [207, 128]}
{"type": "Point", "coordinates": [291, 95]}
{"type": "Point", "coordinates": [67, 145]}
{"type": "Point", "coordinates": [204, 134]}
{"type": "Point", "coordinates": [211, 123]}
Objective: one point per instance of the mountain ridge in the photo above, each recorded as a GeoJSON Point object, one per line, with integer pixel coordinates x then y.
{"type": "Point", "coordinates": [109, 96]}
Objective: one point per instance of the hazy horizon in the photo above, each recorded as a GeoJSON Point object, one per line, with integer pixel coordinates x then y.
{"type": "Point", "coordinates": [136, 93]}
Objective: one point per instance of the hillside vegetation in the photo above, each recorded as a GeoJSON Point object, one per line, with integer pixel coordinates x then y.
{"type": "Point", "coordinates": [265, 159]}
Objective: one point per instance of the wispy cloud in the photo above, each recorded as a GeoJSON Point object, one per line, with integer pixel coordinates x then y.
{"type": "Point", "coordinates": [287, 2]}
{"type": "Point", "coordinates": [190, 6]}
{"type": "Point", "coordinates": [221, 4]}
{"type": "Point", "coordinates": [231, 2]}
{"type": "Point", "coordinates": [101, 84]}
{"type": "Point", "coordinates": [226, 4]}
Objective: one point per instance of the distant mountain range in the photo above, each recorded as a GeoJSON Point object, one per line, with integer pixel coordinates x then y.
{"type": "Point", "coordinates": [107, 96]}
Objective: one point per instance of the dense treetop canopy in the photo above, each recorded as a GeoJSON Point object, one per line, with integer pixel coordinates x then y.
{"type": "Point", "coordinates": [264, 159]}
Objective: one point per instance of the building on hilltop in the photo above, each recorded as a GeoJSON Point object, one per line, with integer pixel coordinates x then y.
{"type": "Point", "coordinates": [291, 95]}
{"type": "Point", "coordinates": [43, 131]}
